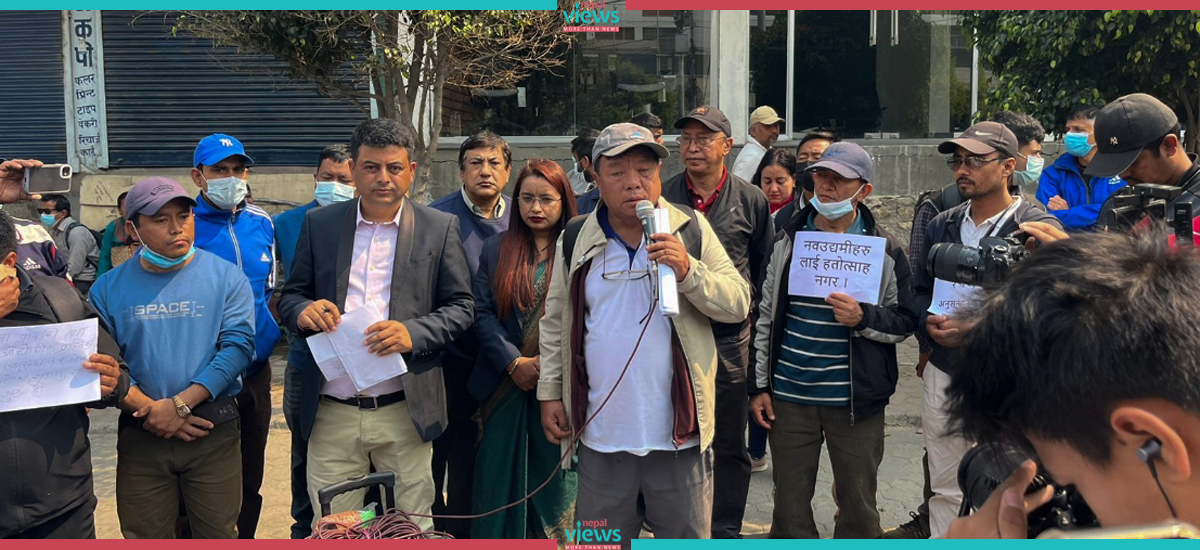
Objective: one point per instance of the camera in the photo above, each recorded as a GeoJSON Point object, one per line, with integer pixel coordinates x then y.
{"type": "Point", "coordinates": [991, 262]}
{"type": "Point", "coordinates": [986, 466]}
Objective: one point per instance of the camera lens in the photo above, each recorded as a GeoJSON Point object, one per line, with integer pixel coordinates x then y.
{"type": "Point", "coordinates": [954, 262]}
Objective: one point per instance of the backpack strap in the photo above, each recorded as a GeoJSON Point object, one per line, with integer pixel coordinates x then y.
{"type": "Point", "coordinates": [570, 235]}
{"type": "Point", "coordinates": [693, 238]}
{"type": "Point", "coordinates": [88, 258]}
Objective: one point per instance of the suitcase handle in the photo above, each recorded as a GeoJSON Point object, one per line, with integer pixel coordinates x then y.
{"type": "Point", "coordinates": [385, 479]}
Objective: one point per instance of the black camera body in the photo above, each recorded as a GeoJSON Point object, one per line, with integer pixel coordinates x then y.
{"type": "Point", "coordinates": [1129, 206]}
{"type": "Point", "coordinates": [991, 262]}
{"type": "Point", "coordinates": [986, 466]}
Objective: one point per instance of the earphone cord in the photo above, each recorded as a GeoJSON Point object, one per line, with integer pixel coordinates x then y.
{"type": "Point", "coordinates": [1154, 474]}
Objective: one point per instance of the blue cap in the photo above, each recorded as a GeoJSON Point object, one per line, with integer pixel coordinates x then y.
{"type": "Point", "coordinates": [216, 148]}
{"type": "Point", "coordinates": [848, 159]}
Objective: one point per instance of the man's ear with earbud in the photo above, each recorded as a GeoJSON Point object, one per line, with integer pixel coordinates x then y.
{"type": "Point", "coordinates": [1154, 439]}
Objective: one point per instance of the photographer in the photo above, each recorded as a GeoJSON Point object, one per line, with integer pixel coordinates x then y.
{"type": "Point", "coordinates": [1138, 137]}
{"type": "Point", "coordinates": [1112, 409]}
{"type": "Point", "coordinates": [983, 162]}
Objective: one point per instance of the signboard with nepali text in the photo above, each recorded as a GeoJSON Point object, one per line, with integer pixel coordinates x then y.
{"type": "Point", "coordinates": [824, 263]}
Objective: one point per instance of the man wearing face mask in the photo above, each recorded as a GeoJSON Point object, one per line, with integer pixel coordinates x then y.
{"type": "Point", "coordinates": [826, 368]}
{"type": "Point", "coordinates": [1074, 198]}
{"type": "Point", "coordinates": [244, 235]}
{"type": "Point", "coordinates": [184, 320]}
{"type": "Point", "coordinates": [334, 183]}
{"type": "Point", "coordinates": [581, 175]}
{"type": "Point", "coordinates": [983, 162]}
{"type": "Point", "coordinates": [808, 152]}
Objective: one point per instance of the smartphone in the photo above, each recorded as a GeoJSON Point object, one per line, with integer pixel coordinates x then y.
{"type": "Point", "coordinates": [50, 178]}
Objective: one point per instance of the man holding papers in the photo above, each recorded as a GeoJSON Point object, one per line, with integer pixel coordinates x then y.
{"type": "Point", "coordinates": [185, 320]}
{"type": "Point", "coordinates": [45, 455]}
{"type": "Point", "coordinates": [983, 160]}
{"type": "Point", "coordinates": [404, 262]}
{"type": "Point", "coordinates": [826, 366]}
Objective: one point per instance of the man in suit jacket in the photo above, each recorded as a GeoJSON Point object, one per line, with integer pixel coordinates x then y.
{"type": "Point", "coordinates": [403, 259]}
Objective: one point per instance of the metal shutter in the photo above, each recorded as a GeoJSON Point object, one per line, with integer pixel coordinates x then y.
{"type": "Point", "coordinates": [31, 94]}
{"type": "Point", "coordinates": [164, 93]}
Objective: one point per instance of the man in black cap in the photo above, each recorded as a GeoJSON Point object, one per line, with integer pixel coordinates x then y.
{"type": "Point", "coordinates": [741, 218]}
{"type": "Point", "coordinates": [983, 160]}
{"type": "Point", "coordinates": [1138, 138]}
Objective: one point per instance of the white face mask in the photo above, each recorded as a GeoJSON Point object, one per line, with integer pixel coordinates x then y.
{"type": "Point", "coordinates": [226, 193]}
{"type": "Point", "coordinates": [578, 179]}
{"type": "Point", "coordinates": [329, 192]}
{"type": "Point", "coordinates": [835, 210]}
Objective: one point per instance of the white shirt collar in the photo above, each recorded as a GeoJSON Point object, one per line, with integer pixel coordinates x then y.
{"type": "Point", "coordinates": [361, 220]}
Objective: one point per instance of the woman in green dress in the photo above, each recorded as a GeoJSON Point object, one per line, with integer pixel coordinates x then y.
{"type": "Point", "coordinates": [514, 457]}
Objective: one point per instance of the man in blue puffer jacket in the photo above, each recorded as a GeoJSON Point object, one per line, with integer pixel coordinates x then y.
{"type": "Point", "coordinates": [1073, 198]}
{"type": "Point", "coordinates": [243, 234]}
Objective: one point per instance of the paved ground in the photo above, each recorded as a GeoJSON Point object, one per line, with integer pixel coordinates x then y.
{"type": "Point", "coordinates": [900, 477]}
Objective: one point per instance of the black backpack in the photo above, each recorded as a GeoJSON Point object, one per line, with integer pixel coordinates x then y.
{"type": "Point", "coordinates": [942, 199]}
{"type": "Point", "coordinates": [97, 236]}
{"type": "Point", "coordinates": [691, 233]}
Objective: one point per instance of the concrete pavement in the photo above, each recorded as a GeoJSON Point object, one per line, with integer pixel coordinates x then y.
{"type": "Point", "coordinates": [900, 478]}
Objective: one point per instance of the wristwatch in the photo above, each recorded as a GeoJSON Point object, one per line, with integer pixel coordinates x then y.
{"type": "Point", "coordinates": [181, 408]}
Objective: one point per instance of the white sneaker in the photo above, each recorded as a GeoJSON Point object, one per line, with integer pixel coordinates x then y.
{"type": "Point", "coordinates": [759, 464]}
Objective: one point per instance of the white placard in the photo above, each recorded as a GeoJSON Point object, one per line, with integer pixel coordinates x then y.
{"type": "Point", "coordinates": [950, 297]}
{"type": "Point", "coordinates": [824, 263]}
{"type": "Point", "coordinates": [42, 365]}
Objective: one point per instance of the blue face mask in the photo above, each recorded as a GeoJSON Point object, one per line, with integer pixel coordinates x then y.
{"type": "Point", "coordinates": [226, 193]}
{"type": "Point", "coordinates": [1077, 144]}
{"type": "Point", "coordinates": [1032, 172]}
{"type": "Point", "coordinates": [329, 192]}
{"type": "Point", "coordinates": [48, 219]}
{"type": "Point", "coordinates": [160, 261]}
{"type": "Point", "coordinates": [834, 210]}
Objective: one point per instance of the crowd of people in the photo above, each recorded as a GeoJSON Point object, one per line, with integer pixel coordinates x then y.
{"type": "Point", "coordinates": [539, 369]}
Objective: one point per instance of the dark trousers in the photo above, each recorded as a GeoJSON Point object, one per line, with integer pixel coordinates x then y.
{"type": "Point", "coordinates": [757, 443]}
{"type": "Point", "coordinates": [293, 389]}
{"type": "Point", "coordinates": [855, 452]}
{"type": "Point", "coordinates": [76, 523]}
{"type": "Point", "coordinates": [676, 486]}
{"type": "Point", "coordinates": [731, 463]}
{"type": "Point", "coordinates": [302, 510]}
{"type": "Point", "coordinates": [254, 406]}
{"type": "Point", "coordinates": [153, 474]}
{"type": "Point", "coordinates": [454, 451]}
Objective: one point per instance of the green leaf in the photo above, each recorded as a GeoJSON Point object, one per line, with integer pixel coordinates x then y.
{"type": "Point", "coordinates": [1053, 63]}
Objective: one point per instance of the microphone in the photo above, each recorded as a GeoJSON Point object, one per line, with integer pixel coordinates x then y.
{"type": "Point", "coordinates": [668, 294]}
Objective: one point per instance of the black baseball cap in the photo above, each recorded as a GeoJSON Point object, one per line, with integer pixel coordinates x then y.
{"type": "Point", "coordinates": [710, 117]}
{"type": "Point", "coordinates": [1125, 127]}
{"type": "Point", "coordinates": [983, 138]}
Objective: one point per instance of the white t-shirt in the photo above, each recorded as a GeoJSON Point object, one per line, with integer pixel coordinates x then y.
{"type": "Point", "coordinates": [639, 417]}
{"type": "Point", "coordinates": [747, 161]}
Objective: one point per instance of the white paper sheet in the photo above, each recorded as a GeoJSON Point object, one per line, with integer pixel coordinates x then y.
{"type": "Point", "coordinates": [948, 297]}
{"type": "Point", "coordinates": [824, 263]}
{"type": "Point", "coordinates": [365, 368]}
{"type": "Point", "coordinates": [326, 356]}
{"type": "Point", "coordinates": [42, 366]}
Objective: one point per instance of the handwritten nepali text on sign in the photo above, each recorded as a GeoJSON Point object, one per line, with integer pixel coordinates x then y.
{"type": "Point", "coordinates": [949, 298]}
{"type": "Point", "coordinates": [42, 365]}
{"type": "Point", "coordinates": [824, 263]}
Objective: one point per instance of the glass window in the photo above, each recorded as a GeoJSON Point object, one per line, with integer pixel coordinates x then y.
{"type": "Point", "coordinates": [657, 61]}
{"type": "Point", "coordinates": [914, 82]}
